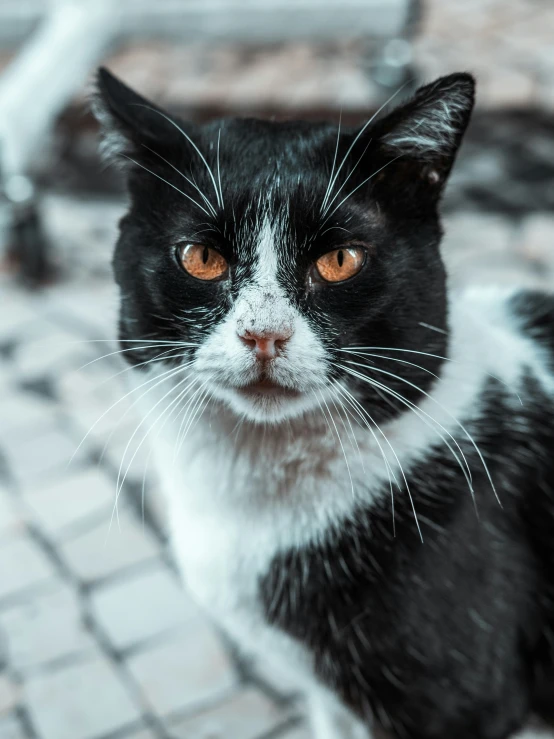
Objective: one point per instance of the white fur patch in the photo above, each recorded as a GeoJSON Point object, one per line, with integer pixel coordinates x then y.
{"type": "Point", "coordinates": [263, 307]}
{"type": "Point", "coordinates": [240, 494]}
{"type": "Point", "coordinates": [433, 129]}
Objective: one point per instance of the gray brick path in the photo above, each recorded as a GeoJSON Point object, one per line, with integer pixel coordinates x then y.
{"type": "Point", "coordinates": [98, 640]}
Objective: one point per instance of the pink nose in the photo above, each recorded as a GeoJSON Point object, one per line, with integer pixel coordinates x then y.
{"type": "Point", "coordinates": [267, 344]}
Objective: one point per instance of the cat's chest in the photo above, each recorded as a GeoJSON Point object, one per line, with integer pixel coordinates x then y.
{"type": "Point", "coordinates": [223, 562]}
{"type": "Point", "coordinates": [233, 511]}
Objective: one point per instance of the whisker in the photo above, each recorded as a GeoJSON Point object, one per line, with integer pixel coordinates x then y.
{"type": "Point", "coordinates": [361, 132]}
{"type": "Point", "coordinates": [435, 356]}
{"type": "Point", "coordinates": [352, 434]}
{"type": "Point", "coordinates": [192, 200]}
{"type": "Point", "coordinates": [120, 481]}
{"type": "Point", "coordinates": [191, 142]}
{"type": "Point", "coordinates": [433, 328]}
{"type": "Point", "coordinates": [364, 415]}
{"type": "Point", "coordinates": [199, 191]}
{"type": "Point", "coordinates": [164, 375]}
{"type": "Point", "coordinates": [349, 175]}
{"type": "Point", "coordinates": [340, 441]}
{"type": "Point", "coordinates": [419, 413]}
{"type": "Point", "coordinates": [392, 359]}
{"type": "Point", "coordinates": [123, 351]}
{"type": "Point", "coordinates": [218, 169]}
{"type": "Point", "coordinates": [362, 183]}
{"type": "Point", "coordinates": [462, 427]}
{"type": "Point", "coordinates": [329, 186]}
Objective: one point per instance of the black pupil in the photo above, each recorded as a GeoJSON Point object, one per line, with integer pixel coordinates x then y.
{"type": "Point", "coordinates": [340, 257]}
{"type": "Point", "coordinates": [205, 255]}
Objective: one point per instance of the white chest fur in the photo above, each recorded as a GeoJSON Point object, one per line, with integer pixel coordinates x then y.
{"type": "Point", "coordinates": [238, 497]}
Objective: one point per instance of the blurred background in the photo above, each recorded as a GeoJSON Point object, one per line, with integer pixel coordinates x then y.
{"type": "Point", "coordinates": [97, 639]}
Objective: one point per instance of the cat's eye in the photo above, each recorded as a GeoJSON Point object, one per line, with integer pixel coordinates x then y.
{"type": "Point", "coordinates": [202, 262]}
{"type": "Point", "coordinates": [341, 264]}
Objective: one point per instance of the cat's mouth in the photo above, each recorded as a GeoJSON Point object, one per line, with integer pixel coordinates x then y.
{"type": "Point", "coordinates": [266, 387]}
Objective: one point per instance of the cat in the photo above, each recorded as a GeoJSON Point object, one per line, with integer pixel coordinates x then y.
{"type": "Point", "coordinates": [358, 463]}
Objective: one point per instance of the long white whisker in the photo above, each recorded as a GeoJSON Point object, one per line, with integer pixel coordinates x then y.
{"type": "Point", "coordinates": [361, 132]}
{"type": "Point", "coordinates": [340, 441]}
{"type": "Point", "coordinates": [120, 481]}
{"type": "Point", "coordinates": [123, 351]}
{"type": "Point", "coordinates": [191, 142]}
{"type": "Point", "coordinates": [392, 359]}
{"type": "Point", "coordinates": [364, 415]}
{"type": "Point", "coordinates": [198, 190]}
{"type": "Point", "coordinates": [422, 415]}
{"type": "Point", "coordinates": [458, 423]}
{"type": "Point", "coordinates": [219, 170]}
{"type": "Point", "coordinates": [352, 433]}
{"type": "Point", "coordinates": [192, 200]}
{"type": "Point", "coordinates": [164, 376]}
{"type": "Point", "coordinates": [348, 176]}
{"type": "Point", "coordinates": [328, 191]}
{"type": "Point", "coordinates": [367, 179]}
{"type": "Point", "coordinates": [358, 349]}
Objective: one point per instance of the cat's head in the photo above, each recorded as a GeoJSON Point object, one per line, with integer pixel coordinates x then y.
{"type": "Point", "coordinates": [269, 261]}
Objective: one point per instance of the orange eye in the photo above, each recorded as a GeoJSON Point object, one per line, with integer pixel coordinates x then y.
{"type": "Point", "coordinates": [202, 262]}
{"type": "Point", "coordinates": [341, 264]}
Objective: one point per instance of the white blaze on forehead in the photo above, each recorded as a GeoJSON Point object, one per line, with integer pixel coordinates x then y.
{"type": "Point", "coordinates": [266, 254]}
{"type": "Point", "coordinates": [262, 304]}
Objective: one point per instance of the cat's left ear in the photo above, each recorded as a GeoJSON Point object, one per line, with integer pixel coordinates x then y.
{"type": "Point", "coordinates": [131, 125]}
{"type": "Point", "coordinates": [426, 132]}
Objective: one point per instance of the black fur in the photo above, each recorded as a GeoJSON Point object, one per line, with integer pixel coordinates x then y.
{"type": "Point", "coordinates": [449, 639]}
{"type": "Point", "coordinates": [395, 212]}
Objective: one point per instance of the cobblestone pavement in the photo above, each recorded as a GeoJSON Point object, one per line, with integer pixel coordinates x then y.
{"type": "Point", "coordinates": [97, 638]}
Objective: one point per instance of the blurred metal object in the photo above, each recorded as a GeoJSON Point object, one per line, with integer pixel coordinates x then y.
{"type": "Point", "coordinates": [34, 89]}
{"type": "Point", "coordinates": [236, 20]}
{"type": "Point", "coordinates": [71, 37]}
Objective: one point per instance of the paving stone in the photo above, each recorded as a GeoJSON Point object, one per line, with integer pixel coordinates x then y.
{"type": "Point", "coordinates": [51, 350]}
{"type": "Point", "coordinates": [142, 606]}
{"type": "Point", "coordinates": [141, 734]}
{"type": "Point", "coordinates": [21, 316]}
{"type": "Point", "coordinates": [22, 565]}
{"type": "Point", "coordinates": [88, 394]}
{"type": "Point", "coordinates": [247, 715]}
{"type": "Point", "coordinates": [9, 695]}
{"type": "Point", "coordinates": [7, 378]}
{"type": "Point", "coordinates": [36, 454]}
{"type": "Point", "coordinates": [61, 505]}
{"type": "Point", "coordinates": [12, 520]}
{"type": "Point", "coordinates": [536, 241]}
{"type": "Point", "coordinates": [25, 412]}
{"type": "Point", "coordinates": [44, 628]}
{"type": "Point", "coordinates": [82, 701]}
{"type": "Point", "coordinates": [99, 553]}
{"type": "Point", "coordinates": [185, 673]}
{"type": "Point", "coordinates": [298, 732]}
{"type": "Point", "coordinates": [467, 232]}
{"type": "Point", "coordinates": [10, 728]}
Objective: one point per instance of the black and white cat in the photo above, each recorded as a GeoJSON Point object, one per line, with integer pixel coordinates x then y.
{"type": "Point", "coordinates": [359, 467]}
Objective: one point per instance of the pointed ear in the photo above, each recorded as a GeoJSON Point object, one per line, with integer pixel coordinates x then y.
{"type": "Point", "coordinates": [429, 128]}
{"type": "Point", "coordinates": [130, 124]}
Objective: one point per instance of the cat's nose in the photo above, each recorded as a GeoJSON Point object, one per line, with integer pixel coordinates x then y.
{"type": "Point", "coordinates": [265, 344]}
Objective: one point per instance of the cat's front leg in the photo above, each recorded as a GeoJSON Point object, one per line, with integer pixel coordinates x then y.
{"type": "Point", "coordinates": [330, 720]}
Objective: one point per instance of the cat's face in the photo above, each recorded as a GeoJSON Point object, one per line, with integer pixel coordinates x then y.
{"type": "Point", "coordinates": [267, 255]}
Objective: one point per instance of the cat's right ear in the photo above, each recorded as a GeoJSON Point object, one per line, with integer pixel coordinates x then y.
{"type": "Point", "coordinates": [131, 126]}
